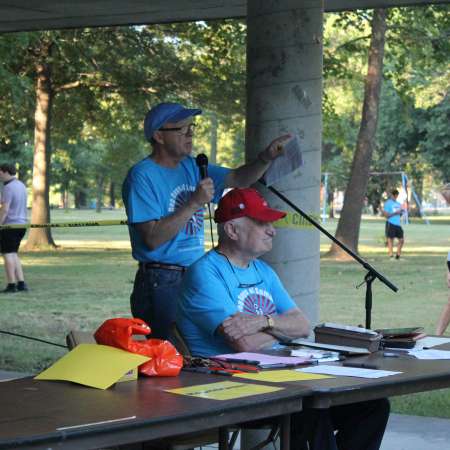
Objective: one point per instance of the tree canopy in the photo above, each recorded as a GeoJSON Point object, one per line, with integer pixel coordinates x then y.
{"type": "Point", "coordinates": [100, 83]}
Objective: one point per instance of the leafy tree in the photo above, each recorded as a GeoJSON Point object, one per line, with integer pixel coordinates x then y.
{"type": "Point", "coordinates": [217, 54]}
{"type": "Point", "coordinates": [75, 86]}
{"type": "Point", "coordinates": [435, 142]}
{"type": "Point", "coordinates": [98, 73]}
{"type": "Point", "coordinates": [417, 46]}
{"type": "Point", "coordinates": [348, 227]}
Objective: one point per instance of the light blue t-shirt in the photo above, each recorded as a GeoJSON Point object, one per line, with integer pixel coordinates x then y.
{"type": "Point", "coordinates": [151, 192]}
{"type": "Point", "coordinates": [214, 289]}
{"type": "Point", "coordinates": [392, 206]}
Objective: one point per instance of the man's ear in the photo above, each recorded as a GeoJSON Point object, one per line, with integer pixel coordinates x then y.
{"type": "Point", "coordinates": [231, 230]}
{"type": "Point", "coordinates": [158, 137]}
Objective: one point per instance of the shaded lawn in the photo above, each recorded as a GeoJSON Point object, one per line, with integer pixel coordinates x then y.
{"type": "Point", "coordinates": [420, 276]}
{"type": "Point", "coordinates": [70, 289]}
{"type": "Point", "coordinates": [89, 279]}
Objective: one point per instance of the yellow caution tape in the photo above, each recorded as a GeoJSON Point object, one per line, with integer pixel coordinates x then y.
{"type": "Point", "coordinates": [93, 223]}
{"type": "Point", "coordinates": [294, 221]}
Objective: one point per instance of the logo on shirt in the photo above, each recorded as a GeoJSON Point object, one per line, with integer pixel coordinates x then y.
{"type": "Point", "coordinates": [256, 301]}
{"type": "Point", "coordinates": [178, 198]}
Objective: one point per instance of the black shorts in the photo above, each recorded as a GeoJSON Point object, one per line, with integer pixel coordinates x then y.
{"type": "Point", "coordinates": [394, 231]}
{"type": "Point", "coordinates": [10, 239]}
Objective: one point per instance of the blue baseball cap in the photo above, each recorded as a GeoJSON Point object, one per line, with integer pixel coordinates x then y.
{"type": "Point", "coordinates": [163, 113]}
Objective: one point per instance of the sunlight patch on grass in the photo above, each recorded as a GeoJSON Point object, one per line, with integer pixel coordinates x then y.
{"type": "Point", "coordinates": [91, 244]}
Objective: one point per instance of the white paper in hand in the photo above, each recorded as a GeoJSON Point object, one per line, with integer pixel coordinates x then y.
{"type": "Point", "coordinates": [284, 165]}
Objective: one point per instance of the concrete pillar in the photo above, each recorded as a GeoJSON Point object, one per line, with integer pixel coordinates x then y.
{"type": "Point", "coordinates": [284, 94]}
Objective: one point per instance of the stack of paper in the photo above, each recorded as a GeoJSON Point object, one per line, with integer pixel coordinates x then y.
{"type": "Point", "coordinates": [320, 356]}
{"type": "Point", "coordinates": [348, 371]}
{"type": "Point", "coordinates": [430, 354]}
{"type": "Point", "coordinates": [265, 361]}
{"type": "Point", "coordinates": [290, 161]}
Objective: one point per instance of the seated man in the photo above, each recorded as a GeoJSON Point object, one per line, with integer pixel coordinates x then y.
{"type": "Point", "coordinates": [231, 301]}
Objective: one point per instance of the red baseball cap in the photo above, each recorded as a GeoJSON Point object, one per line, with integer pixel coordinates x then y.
{"type": "Point", "coordinates": [246, 202]}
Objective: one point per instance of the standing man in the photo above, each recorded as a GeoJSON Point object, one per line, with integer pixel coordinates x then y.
{"type": "Point", "coordinates": [13, 211]}
{"type": "Point", "coordinates": [444, 318]}
{"type": "Point", "coordinates": [393, 211]}
{"type": "Point", "coordinates": [230, 301]}
{"type": "Point", "coordinates": [164, 197]}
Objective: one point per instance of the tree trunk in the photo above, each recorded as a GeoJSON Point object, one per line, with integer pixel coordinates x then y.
{"type": "Point", "coordinates": [80, 199]}
{"type": "Point", "coordinates": [40, 212]}
{"type": "Point", "coordinates": [112, 194]}
{"type": "Point", "coordinates": [214, 126]}
{"type": "Point", "coordinates": [418, 189]}
{"type": "Point", "coordinates": [99, 202]}
{"type": "Point", "coordinates": [331, 203]}
{"type": "Point", "coordinates": [350, 220]}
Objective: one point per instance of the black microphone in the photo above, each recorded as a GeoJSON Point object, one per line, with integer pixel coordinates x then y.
{"type": "Point", "coordinates": [202, 163]}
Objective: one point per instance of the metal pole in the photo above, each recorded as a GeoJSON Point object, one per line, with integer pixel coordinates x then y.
{"type": "Point", "coordinates": [405, 188]}
{"type": "Point", "coordinates": [325, 197]}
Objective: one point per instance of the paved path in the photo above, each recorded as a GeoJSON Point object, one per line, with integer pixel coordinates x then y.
{"type": "Point", "coordinates": [416, 433]}
{"type": "Point", "coordinates": [408, 433]}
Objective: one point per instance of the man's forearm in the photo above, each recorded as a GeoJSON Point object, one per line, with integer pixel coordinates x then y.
{"type": "Point", "coordinates": [290, 325]}
{"type": "Point", "coordinates": [444, 319]}
{"type": "Point", "coordinates": [254, 342]}
{"type": "Point", "coordinates": [254, 330]}
{"type": "Point", "coordinates": [157, 232]}
{"type": "Point", "coordinates": [3, 212]}
{"type": "Point", "coordinates": [247, 174]}
{"type": "Point", "coordinates": [250, 173]}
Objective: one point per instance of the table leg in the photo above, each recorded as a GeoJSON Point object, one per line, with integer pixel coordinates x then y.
{"type": "Point", "coordinates": [223, 438]}
{"type": "Point", "coordinates": [285, 432]}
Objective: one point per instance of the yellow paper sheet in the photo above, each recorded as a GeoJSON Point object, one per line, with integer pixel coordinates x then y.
{"type": "Point", "coordinates": [279, 376]}
{"type": "Point", "coordinates": [98, 366]}
{"type": "Point", "coordinates": [224, 390]}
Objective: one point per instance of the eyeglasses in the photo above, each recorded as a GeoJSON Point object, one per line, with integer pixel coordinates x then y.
{"type": "Point", "coordinates": [243, 285]}
{"type": "Point", "coordinates": [182, 131]}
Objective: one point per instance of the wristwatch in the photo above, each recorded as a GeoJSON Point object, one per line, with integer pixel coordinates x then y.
{"type": "Point", "coordinates": [270, 322]}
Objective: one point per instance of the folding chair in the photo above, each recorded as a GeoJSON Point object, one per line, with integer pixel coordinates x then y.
{"type": "Point", "coordinates": [275, 426]}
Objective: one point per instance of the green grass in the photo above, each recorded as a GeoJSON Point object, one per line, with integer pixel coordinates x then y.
{"type": "Point", "coordinates": [85, 281]}
{"type": "Point", "coordinates": [420, 276]}
{"type": "Point", "coordinates": [88, 279]}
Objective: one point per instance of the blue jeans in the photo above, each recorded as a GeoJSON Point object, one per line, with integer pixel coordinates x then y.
{"type": "Point", "coordinates": [154, 299]}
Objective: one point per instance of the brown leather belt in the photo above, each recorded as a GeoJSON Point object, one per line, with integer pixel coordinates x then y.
{"type": "Point", "coordinates": [158, 265]}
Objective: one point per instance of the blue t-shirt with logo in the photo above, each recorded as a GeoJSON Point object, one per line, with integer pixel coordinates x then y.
{"type": "Point", "coordinates": [151, 192]}
{"type": "Point", "coordinates": [393, 206]}
{"type": "Point", "coordinates": [214, 289]}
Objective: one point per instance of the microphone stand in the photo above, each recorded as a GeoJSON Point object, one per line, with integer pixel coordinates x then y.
{"type": "Point", "coordinates": [371, 274]}
{"type": "Point", "coordinates": [211, 225]}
